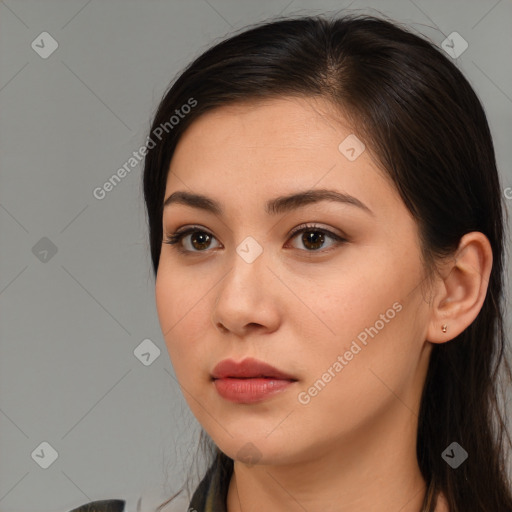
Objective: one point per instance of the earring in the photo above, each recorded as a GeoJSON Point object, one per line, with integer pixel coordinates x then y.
{"type": "Point", "coordinates": [444, 328]}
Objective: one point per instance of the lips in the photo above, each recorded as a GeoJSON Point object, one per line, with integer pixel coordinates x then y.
{"type": "Point", "coordinates": [249, 368]}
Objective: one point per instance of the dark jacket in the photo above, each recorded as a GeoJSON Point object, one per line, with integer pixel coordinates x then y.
{"type": "Point", "coordinates": [101, 506]}
{"type": "Point", "coordinates": [209, 496]}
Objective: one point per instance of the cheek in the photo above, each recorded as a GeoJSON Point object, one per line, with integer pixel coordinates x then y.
{"type": "Point", "coordinates": [182, 313]}
{"type": "Point", "coordinates": [355, 300]}
{"type": "Point", "coordinates": [176, 297]}
{"type": "Point", "coordinates": [165, 294]}
{"type": "Point", "coordinates": [350, 384]}
{"type": "Point", "coordinates": [370, 334]}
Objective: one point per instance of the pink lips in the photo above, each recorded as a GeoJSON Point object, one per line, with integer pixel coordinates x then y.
{"type": "Point", "coordinates": [249, 381]}
{"type": "Point", "coordinates": [247, 368]}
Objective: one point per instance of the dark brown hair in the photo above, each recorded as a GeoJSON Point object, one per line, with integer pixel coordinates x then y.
{"type": "Point", "coordinates": [426, 128]}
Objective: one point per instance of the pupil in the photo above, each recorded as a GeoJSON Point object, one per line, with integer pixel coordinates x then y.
{"type": "Point", "coordinates": [314, 237]}
{"type": "Point", "coordinates": [203, 236]}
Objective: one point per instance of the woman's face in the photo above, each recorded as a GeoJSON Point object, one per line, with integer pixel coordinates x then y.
{"type": "Point", "coordinates": [347, 319]}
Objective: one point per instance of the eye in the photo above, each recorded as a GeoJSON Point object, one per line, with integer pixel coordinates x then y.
{"type": "Point", "coordinates": [200, 239]}
{"type": "Point", "coordinates": [313, 238]}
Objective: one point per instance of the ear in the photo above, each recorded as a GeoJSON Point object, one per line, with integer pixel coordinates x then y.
{"type": "Point", "coordinates": [460, 295]}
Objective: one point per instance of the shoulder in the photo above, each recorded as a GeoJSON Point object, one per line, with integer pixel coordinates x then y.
{"type": "Point", "coordinates": [102, 506]}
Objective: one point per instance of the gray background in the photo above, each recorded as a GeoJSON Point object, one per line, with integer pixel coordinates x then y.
{"type": "Point", "coordinates": [70, 321]}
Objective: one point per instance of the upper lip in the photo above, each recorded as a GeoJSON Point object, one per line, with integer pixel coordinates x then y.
{"type": "Point", "coordinates": [248, 368]}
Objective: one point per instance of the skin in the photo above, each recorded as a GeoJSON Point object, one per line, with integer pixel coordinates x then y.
{"type": "Point", "coordinates": [352, 447]}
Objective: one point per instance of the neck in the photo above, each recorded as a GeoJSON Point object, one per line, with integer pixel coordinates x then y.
{"type": "Point", "coordinates": [374, 470]}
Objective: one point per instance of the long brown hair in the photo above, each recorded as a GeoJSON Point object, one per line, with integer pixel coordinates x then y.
{"type": "Point", "coordinates": [423, 122]}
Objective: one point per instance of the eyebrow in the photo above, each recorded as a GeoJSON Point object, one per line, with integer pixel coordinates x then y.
{"type": "Point", "coordinates": [274, 206]}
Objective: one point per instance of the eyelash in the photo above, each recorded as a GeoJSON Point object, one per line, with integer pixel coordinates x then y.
{"type": "Point", "coordinates": [176, 237]}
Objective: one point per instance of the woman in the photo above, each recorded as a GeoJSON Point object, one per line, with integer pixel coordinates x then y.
{"type": "Point", "coordinates": [326, 230]}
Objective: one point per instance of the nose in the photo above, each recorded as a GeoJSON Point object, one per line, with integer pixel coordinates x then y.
{"type": "Point", "coordinates": [247, 298]}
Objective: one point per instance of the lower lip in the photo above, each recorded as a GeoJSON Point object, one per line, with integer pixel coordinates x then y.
{"type": "Point", "coordinates": [247, 391]}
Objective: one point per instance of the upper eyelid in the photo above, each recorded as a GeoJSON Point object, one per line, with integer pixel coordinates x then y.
{"type": "Point", "coordinates": [300, 227]}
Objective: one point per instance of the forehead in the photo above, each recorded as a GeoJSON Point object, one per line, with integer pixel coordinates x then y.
{"type": "Point", "coordinates": [257, 150]}
{"type": "Point", "coordinates": [265, 124]}
{"type": "Point", "coordinates": [273, 136]}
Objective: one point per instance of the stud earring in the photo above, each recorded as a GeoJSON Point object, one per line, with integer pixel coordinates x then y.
{"type": "Point", "coordinates": [444, 328]}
